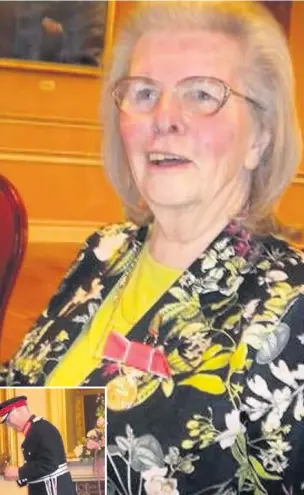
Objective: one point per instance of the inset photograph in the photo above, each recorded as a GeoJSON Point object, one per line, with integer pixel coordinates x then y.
{"type": "Point", "coordinates": [52, 441]}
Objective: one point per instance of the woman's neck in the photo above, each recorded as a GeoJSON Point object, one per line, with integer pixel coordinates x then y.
{"type": "Point", "coordinates": [179, 235]}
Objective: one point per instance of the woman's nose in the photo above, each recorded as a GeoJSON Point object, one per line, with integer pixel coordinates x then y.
{"type": "Point", "coordinates": [168, 116]}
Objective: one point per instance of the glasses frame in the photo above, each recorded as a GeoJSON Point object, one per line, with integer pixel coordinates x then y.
{"type": "Point", "coordinates": [5, 421]}
{"type": "Point", "coordinates": [228, 91]}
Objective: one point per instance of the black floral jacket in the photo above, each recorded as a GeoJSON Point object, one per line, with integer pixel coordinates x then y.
{"type": "Point", "coordinates": [229, 419]}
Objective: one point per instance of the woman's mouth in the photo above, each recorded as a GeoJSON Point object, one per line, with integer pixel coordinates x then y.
{"type": "Point", "coordinates": [164, 159]}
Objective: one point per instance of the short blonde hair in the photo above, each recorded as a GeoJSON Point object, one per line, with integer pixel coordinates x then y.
{"type": "Point", "coordinates": [267, 77]}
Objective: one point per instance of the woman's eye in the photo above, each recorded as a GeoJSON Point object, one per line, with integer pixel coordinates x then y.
{"type": "Point", "coordinates": [201, 95]}
{"type": "Point", "coordinates": [197, 95]}
{"type": "Point", "coordinates": [145, 94]}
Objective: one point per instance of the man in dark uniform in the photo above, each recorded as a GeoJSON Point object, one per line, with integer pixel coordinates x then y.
{"type": "Point", "coordinates": [45, 470]}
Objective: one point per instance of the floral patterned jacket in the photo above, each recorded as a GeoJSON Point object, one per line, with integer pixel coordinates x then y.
{"type": "Point", "coordinates": [229, 419]}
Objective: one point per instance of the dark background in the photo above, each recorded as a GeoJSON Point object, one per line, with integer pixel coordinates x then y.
{"type": "Point", "coordinates": [90, 407]}
{"type": "Point", "coordinates": [281, 11]}
{"type": "Point", "coordinates": [64, 32]}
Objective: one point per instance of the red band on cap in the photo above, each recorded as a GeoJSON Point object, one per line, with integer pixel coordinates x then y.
{"type": "Point", "coordinates": [12, 406]}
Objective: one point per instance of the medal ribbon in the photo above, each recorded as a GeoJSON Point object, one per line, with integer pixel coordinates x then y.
{"type": "Point", "coordinates": [137, 355]}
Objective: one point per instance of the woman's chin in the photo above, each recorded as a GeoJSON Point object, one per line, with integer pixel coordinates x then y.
{"type": "Point", "coordinates": [165, 200]}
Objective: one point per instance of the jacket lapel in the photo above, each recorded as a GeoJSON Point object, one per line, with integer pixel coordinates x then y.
{"type": "Point", "coordinates": [212, 280]}
{"type": "Point", "coordinates": [204, 292]}
{"type": "Point", "coordinates": [100, 271]}
{"type": "Point", "coordinates": [99, 268]}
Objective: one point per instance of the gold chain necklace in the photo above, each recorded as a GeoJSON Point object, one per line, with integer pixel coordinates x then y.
{"type": "Point", "coordinates": [122, 390]}
{"type": "Point", "coordinates": [138, 250]}
{"type": "Point", "coordinates": [122, 308]}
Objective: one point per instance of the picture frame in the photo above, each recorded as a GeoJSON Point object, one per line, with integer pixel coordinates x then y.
{"type": "Point", "coordinates": [4, 443]}
{"type": "Point", "coordinates": [69, 33]}
{"type": "Point", "coordinates": [80, 415]}
{"type": "Point", "coordinates": [85, 410]}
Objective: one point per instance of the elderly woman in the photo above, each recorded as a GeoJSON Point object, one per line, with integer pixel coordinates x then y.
{"type": "Point", "coordinates": [191, 313]}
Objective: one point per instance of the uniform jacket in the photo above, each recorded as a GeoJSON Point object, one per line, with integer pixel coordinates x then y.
{"type": "Point", "coordinates": [43, 452]}
{"type": "Point", "coordinates": [229, 419]}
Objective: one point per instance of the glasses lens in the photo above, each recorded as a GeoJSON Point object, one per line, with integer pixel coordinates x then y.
{"type": "Point", "coordinates": [136, 96]}
{"type": "Point", "coordinates": [202, 95]}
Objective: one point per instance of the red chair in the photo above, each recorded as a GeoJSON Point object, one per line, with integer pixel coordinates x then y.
{"type": "Point", "coordinates": [13, 240]}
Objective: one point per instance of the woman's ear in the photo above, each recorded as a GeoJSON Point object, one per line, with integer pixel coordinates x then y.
{"type": "Point", "coordinates": [257, 150]}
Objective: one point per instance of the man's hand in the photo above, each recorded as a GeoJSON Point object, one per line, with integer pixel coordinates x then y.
{"type": "Point", "coordinates": [11, 473]}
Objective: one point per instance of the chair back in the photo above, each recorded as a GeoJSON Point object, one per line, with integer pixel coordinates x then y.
{"type": "Point", "coordinates": [13, 240]}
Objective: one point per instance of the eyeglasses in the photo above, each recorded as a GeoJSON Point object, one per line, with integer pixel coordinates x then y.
{"type": "Point", "coordinates": [197, 95]}
{"type": "Point", "coordinates": [6, 420]}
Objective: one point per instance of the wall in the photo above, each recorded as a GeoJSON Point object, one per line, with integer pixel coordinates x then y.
{"type": "Point", "coordinates": [291, 208]}
{"type": "Point", "coordinates": [50, 145]}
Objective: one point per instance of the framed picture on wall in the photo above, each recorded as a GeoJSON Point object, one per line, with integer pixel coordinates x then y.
{"type": "Point", "coordinates": [81, 407]}
{"type": "Point", "coordinates": [65, 32]}
{"type": "Point", "coordinates": [85, 411]}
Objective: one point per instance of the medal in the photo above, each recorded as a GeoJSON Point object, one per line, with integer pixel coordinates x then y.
{"type": "Point", "coordinates": [121, 393]}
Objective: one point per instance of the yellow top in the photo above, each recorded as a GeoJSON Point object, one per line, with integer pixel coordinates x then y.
{"type": "Point", "coordinates": [148, 281]}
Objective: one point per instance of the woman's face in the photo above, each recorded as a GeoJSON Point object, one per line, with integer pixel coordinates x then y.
{"type": "Point", "coordinates": [219, 149]}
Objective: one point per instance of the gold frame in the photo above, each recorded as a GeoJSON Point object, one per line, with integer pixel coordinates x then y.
{"type": "Point", "coordinates": [60, 406]}
{"type": "Point", "coordinates": [79, 409]}
{"type": "Point", "coordinates": [4, 447]}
